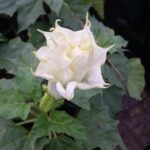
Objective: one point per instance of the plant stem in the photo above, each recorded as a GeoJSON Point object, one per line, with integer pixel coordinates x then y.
{"type": "Point", "coordinates": [26, 122]}
{"type": "Point", "coordinates": [37, 109]}
{"type": "Point", "coordinates": [54, 134]}
{"type": "Point", "coordinates": [33, 113]}
{"type": "Point", "coordinates": [121, 77]}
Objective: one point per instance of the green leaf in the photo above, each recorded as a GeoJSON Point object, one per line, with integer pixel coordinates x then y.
{"type": "Point", "coordinates": [17, 58]}
{"type": "Point", "coordinates": [40, 143]}
{"type": "Point", "coordinates": [61, 122]}
{"type": "Point", "coordinates": [16, 54]}
{"type": "Point", "coordinates": [112, 97]}
{"type": "Point", "coordinates": [35, 37]}
{"type": "Point", "coordinates": [12, 105]}
{"type": "Point", "coordinates": [6, 84]}
{"type": "Point", "coordinates": [8, 7]}
{"type": "Point", "coordinates": [111, 76]}
{"type": "Point", "coordinates": [25, 83]}
{"type": "Point", "coordinates": [82, 97]}
{"type": "Point", "coordinates": [15, 137]}
{"type": "Point", "coordinates": [105, 36]}
{"type": "Point", "coordinates": [131, 71]}
{"type": "Point", "coordinates": [102, 130]}
{"type": "Point", "coordinates": [63, 143]}
{"type": "Point", "coordinates": [28, 12]}
{"type": "Point", "coordinates": [15, 91]}
{"type": "Point", "coordinates": [12, 137]}
{"type": "Point", "coordinates": [73, 13]}
{"type": "Point", "coordinates": [119, 61]}
{"type": "Point", "coordinates": [55, 5]}
{"type": "Point", "coordinates": [99, 7]}
{"type": "Point", "coordinates": [40, 129]}
{"type": "Point", "coordinates": [135, 81]}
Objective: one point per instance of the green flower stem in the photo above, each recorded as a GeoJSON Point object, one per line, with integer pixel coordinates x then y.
{"type": "Point", "coordinates": [26, 122]}
{"type": "Point", "coordinates": [47, 102]}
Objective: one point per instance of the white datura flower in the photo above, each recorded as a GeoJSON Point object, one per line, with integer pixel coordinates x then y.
{"type": "Point", "coordinates": [70, 60]}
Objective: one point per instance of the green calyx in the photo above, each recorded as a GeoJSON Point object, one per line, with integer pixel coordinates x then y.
{"type": "Point", "coordinates": [49, 103]}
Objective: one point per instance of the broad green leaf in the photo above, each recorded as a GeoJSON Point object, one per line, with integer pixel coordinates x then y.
{"type": "Point", "coordinates": [15, 91]}
{"type": "Point", "coordinates": [28, 12]}
{"type": "Point", "coordinates": [105, 36]}
{"type": "Point", "coordinates": [55, 5]}
{"type": "Point", "coordinates": [63, 143]}
{"type": "Point", "coordinates": [135, 81]}
{"type": "Point", "coordinates": [16, 54]}
{"type": "Point", "coordinates": [8, 7]}
{"type": "Point", "coordinates": [73, 13]}
{"type": "Point", "coordinates": [25, 83]}
{"type": "Point", "coordinates": [12, 104]}
{"type": "Point", "coordinates": [6, 84]}
{"type": "Point", "coordinates": [61, 122]}
{"type": "Point", "coordinates": [118, 60]}
{"type": "Point", "coordinates": [12, 137]}
{"type": "Point", "coordinates": [101, 128]}
{"type": "Point", "coordinates": [35, 37]}
{"type": "Point", "coordinates": [40, 129]}
{"type": "Point", "coordinates": [112, 97]}
{"type": "Point", "coordinates": [131, 71]}
{"type": "Point", "coordinates": [111, 76]}
{"type": "Point", "coordinates": [82, 97]}
{"type": "Point", "coordinates": [99, 7]}
{"type": "Point", "coordinates": [40, 143]}
{"type": "Point", "coordinates": [37, 133]}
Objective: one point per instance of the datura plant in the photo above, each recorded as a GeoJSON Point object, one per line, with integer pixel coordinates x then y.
{"type": "Point", "coordinates": [63, 87]}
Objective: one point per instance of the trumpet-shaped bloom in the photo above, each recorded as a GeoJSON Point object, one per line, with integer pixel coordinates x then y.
{"type": "Point", "coordinates": [70, 60]}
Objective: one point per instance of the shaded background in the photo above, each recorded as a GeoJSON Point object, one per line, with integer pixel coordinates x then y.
{"type": "Point", "coordinates": [131, 19]}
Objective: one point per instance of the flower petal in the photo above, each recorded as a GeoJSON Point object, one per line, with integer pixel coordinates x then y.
{"type": "Point", "coordinates": [79, 64]}
{"type": "Point", "coordinates": [72, 37]}
{"type": "Point", "coordinates": [67, 93]}
{"type": "Point", "coordinates": [43, 71]}
{"type": "Point", "coordinates": [62, 29]}
{"type": "Point", "coordinates": [43, 54]}
{"type": "Point", "coordinates": [99, 55]}
{"type": "Point", "coordinates": [49, 39]}
{"type": "Point", "coordinates": [64, 76]}
{"type": "Point", "coordinates": [93, 79]}
{"type": "Point", "coordinates": [53, 91]}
